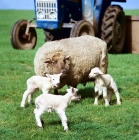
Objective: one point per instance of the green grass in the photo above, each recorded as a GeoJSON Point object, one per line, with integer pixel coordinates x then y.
{"type": "Point", "coordinates": [134, 12]}
{"type": "Point", "coordinates": [86, 122]}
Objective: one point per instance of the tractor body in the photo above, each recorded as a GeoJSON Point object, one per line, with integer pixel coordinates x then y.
{"type": "Point", "coordinates": [71, 18]}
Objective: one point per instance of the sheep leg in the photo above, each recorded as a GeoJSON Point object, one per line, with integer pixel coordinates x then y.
{"type": "Point", "coordinates": [97, 95]}
{"type": "Point", "coordinates": [115, 89]}
{"type": "Point", "coordinates": [29, 98]}
{"type": "Point", "coordinates": [63, 118]}
{"type": "Point", "coordinates": [49, 109]}
{"type": "Point", "coordinates": [110, 92]}
{"type": "Point", "coordinates": [56, 91]}
{"type": "Point", "coordinates": [31, 94]}
{"type": "Point", "coordinates": [118, 97]}
{"type": "Point", "coordinates": [96, 100]}
{"type": "Point", "coordinates": [105, 96]}
{"type": "Point", "coordinates": [38, 113]}
{"type": "Point", "coordinates": [25, 95]}
{"type": "Point", "coordinates": [104, 90]}
{"type": "Point", "coordinates": [106, 101]}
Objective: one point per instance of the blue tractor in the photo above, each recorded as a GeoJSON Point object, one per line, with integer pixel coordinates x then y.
{"type": "Point", "coordinates": [72, 18]}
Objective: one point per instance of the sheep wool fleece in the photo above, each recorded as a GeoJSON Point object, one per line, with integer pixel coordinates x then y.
{"type": "Point", "coordinates": [86, 52]}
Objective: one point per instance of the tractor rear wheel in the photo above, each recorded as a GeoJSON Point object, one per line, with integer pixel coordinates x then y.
{"type": "Point", "coordinates": [82, 28]}
{"type": "Point", "coordinates": [113, 28]}
{"type": "Point", "coordinates": [18, 38]}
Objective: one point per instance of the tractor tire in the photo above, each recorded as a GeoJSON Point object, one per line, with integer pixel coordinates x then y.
{"type": "Point", "coordinates": [82, 28]}
{"type": "Point", "coordinates": [113, 29]}
{"type": "Point", "coordinates": [18, 38]}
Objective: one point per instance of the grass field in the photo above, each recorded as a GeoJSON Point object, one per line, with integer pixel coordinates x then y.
{"type": "Point", "coordinates": [134, 12]}
{"type": "Point", "coordinates": [86, 122]}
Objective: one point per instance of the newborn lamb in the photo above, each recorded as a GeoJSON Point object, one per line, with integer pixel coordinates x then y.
{"type": "Point", "coordinates": [104, 83]}
{"type": "Point", "coordinates": [59, 103]}
{"type": "Point", "coordinates": [36, 82]}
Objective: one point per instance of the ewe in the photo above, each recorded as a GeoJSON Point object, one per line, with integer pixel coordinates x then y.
{"type": "Point", "coordinates": [73, 56]}
{"type": "Point", "coordinates": [59, 103]}
{"type": "Point", "coordinates": [104, 83]}
{"type": "Point", "coordinates": [45, 84]}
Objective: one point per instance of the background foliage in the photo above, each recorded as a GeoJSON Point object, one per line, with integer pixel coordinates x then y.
{"type": "Point", "coordinates": [85, 120]}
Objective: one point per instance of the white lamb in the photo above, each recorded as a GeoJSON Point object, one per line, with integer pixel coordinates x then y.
{"type": "Point", "coordinates": [59, 103]}
{"type": "Point", "coordinates": [104, 85]}
{"type": "Point", "coordinates": [36, 82]}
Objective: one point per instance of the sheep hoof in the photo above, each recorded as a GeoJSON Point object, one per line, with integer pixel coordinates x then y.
{"type": "Point", "coordinates": [22, 106]}
{"type": "Point", "coordinates": [66, 130]}
{"type": "Point", "coordinates": [95, 104]}
{"type": "Point", "coordinates": [40, 127]}
{"type": "Point", "coordinates": [119, 103]}
{"type": "Point", "coordinates": [106, 105]}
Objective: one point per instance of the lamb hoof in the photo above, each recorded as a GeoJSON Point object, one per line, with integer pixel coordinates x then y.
{"type": "Point", "coordinates": [119, 103]}
{"type": "Point", "coordinates": [40, 127]}
{"type": "Point", "coordinates": [106, 105]}
{"type": "Point", "coordinates": [22, 105]}
{"type": "Point", "coordinates": [66, 130]}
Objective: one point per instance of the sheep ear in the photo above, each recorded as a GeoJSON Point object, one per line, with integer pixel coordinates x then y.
{"type": "Point", "coordinates": [100, 72]}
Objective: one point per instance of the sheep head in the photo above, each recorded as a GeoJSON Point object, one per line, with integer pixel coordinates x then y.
{"type": "Point", "coordinates": [73, 93]}
{"type": "Point", "coordinates": [94, 72]}
{"type": "Point", "coordinates": [59, 63]}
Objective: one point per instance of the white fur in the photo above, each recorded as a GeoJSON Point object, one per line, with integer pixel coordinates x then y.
{"type": "Point", "coordinates": [59, 103]}
{"type": "Point", "coordinates": [45, 84]}
{"type": "Point", "coordinates": [104, 85]}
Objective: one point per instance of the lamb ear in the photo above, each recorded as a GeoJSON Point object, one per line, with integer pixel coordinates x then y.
{"type": "Point", "coordinates": [100, 72]}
